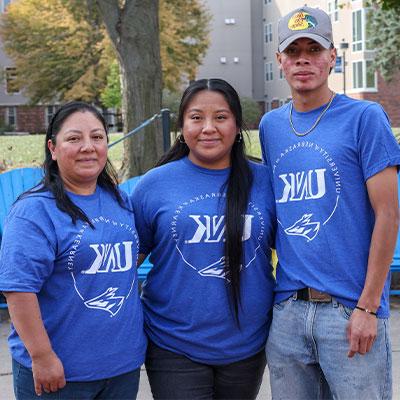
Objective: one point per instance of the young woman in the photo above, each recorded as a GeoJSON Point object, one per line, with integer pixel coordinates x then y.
{"type": "Point", "coordinates": [67, 269]}
{"type": "Point", "coordinates": [206, 216]}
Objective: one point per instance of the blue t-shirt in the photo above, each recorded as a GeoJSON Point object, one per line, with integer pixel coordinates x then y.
{"type": "Point", "coordinates": [179, 209]}
{"type": "Point", "coordinates": [85, 280]}
{"type": "Point", "coordinates": [325, 219]}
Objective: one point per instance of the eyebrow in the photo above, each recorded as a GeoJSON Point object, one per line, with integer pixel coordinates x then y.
{"type": "Point", "coordinates": [217, 111]}
{"type": "Point", "coordinates": [73, 130]}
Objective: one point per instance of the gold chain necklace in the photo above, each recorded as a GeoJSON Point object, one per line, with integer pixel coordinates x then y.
{"type": "Point", "coordinates": [315, 123]}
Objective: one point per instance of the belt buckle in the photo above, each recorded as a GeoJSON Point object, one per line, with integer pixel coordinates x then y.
{"type": "Point", "coordinates": [318, 297]}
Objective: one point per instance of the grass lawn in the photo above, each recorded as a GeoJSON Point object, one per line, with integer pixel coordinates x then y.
{"type": "Point", "coordinates": [28, 150]}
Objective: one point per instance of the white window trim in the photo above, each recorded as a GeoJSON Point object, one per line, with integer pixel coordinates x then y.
{"type": "Point", "coordinates": [268, 33]}
{"type": "Point", "coordinates": [363, 40]}
{"type": "Point", "coordinates": [269, 71]}
{"type": "Point", "coordinates": [46, 114]}
{"type": "Point", "coordinates": [363, 89]}
{"type": "Point", "coordinates": [334, 11]}
{"type": "Point", "coordinates": [8, 116]}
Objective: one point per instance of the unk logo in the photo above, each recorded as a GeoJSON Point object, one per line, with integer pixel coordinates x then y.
{"type": "Point", "coordinates": [115, 257]}
{"type": "Point", "coordinates": [211, 229]}
{"type": "Point", "coordinates": [303, 185]}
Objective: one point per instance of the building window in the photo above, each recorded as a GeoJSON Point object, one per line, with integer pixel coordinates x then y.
{"type": "Point", "coordinates": [370, 75]}
{"type": "Point", "coordinates": [364, 76]}
{"type": "Point", "coordinates": [269, 76]}
{"type": "Point", "coordinates": [267, 1]}
{"type": "Point", "coordinates": [11, 76]}
{"type": "Point", "coordinates": [267, 106]}
{"type": "Point", "coordinates": [50, 111]}
{"type": "Point", "coordinates": [236, 60]}
{"type": "Point", "coordinates": [11, 116]}
{"type": "Point", "coordinates": [358, 75]}
{"type": "Point", "coordinates": [281, 76]}
{"type": "Point", "coordinates": [357, 44]}
{"type": "Point", "coordinates": [222, 60]}
{"type": "Point", "coordinates": [268, 33]}
{"type": "Point", "coordinates": [230, 21]}
{"type": "Point", "coordinates": [333, 10]}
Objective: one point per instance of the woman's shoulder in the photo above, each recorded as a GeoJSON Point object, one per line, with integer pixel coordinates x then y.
{"type": "Point", "coordinates": [257, 167]}
{"type": "Point", "coordinates": [161, 173]}
{"type": "Point", "coordinates": [33, 205]}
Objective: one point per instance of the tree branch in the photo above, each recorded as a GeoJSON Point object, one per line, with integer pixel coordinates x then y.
{"type": "Point", "coordinates": [110, 12]}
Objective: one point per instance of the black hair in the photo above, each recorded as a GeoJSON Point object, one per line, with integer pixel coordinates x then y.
{"type": "Point", "coordinates": [238, 184]}
{"type": "Point", "coordinates": [52, 180]}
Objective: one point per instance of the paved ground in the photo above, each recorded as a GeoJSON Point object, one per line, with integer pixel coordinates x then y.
{"type": "Point", "coordinates": [6, 392]}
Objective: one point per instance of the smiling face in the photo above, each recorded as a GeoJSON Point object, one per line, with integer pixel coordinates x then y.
{"type": "Point", "coordinates": [80, 150]}
{"type": "Point", "coordinates": [306, 65]}
{"type": "Point", "coordinates": [209, 129]}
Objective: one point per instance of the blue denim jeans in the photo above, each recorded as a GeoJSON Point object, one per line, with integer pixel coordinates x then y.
{"type": "Point", "coordinates": [176, 377]}
{"type": "Point", "coordinates": [307, 355]}
{"type": "Point", "coordinates": [121, 387]}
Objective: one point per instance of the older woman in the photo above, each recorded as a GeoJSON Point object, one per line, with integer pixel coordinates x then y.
{"type": "Point", "coordinates": [206, 215]}
{"type": "Point", "coordinates": [67, 269]}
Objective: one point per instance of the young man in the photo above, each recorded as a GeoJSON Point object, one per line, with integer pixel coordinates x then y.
{"type": "Point", "coordinates": [333, 161]}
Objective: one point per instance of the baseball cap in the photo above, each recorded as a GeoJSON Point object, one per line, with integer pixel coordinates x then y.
{"type": "Point", "coordinates": [305, 22]}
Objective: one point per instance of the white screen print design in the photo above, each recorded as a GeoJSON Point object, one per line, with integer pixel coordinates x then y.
{"type": "Point", "coordinates": [304, 188]}
{"type": "Point", "coordinates": [199, 236]}
{"type": "Point", "coordinates": [112, 259]}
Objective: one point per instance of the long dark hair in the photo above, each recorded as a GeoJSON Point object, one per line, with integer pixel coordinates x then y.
{"type": "Point", "coordinates": [52, 180]}
{"type": "Point", "coordinates": [238, 184]}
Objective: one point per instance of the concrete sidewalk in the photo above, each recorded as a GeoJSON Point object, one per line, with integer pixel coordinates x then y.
{"type": "Point", "coordinates": [6, 390]}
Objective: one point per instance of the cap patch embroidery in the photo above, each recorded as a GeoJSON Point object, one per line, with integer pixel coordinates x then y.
{"type": "Point", "coordinates": [302, 20]}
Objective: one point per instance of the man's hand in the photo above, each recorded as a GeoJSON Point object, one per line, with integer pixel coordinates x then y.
{"type": "Point", "coordinates": [48, 373]}
{"type": "Point", "coordinates": [361, 332]}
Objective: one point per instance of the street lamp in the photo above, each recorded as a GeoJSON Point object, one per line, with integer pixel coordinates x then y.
{"type": "Point", "coordinates": [344, 46]}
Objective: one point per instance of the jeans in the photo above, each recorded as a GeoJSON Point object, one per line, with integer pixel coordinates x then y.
{"type": "Point", "coordinates": [121, 387]}
{"type": "Point", "coordinates": [307, 355]}
{"type": "Point", "coordinates": [174, 376]}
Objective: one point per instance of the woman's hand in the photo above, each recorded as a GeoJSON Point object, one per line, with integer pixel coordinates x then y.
{"type": "Point", "coordinates": [48, 373]}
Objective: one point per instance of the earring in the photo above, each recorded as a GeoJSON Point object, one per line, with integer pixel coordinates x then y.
{"type": "Point", "coordinates": [239, 137]}
{"type": "Point", "coordinates": [181, 139]}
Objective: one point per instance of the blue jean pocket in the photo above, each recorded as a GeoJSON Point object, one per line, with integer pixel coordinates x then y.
{"type": "Point", "coordinates": [345, 311]}
{"type": "Point", "coordinates": [281, 305]}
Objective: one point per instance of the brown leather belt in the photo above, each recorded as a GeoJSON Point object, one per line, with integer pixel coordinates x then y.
{"type": "Point", "coordinates": [310, 294]}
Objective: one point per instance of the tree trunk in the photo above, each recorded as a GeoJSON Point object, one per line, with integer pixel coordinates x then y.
{"type": "Point", "coordinates": [134, 32]}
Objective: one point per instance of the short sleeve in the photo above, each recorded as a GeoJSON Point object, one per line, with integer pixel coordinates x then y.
{"type": "Point", "coordinates": [140, 203]}
{"type": "Point", "coordinates": [262, 140]}
{"type": "Point", "coordinates": [377, 146]}
{"type": "Point", "coordinates": [26, 256]}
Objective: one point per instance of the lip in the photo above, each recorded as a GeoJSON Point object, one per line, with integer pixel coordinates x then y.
{"type": "Point", "coordinates": [87, 160]}
{"type": "Point", "coordinates": [209, 140]}
{"type": "Point", "coordinates": [303, 73]}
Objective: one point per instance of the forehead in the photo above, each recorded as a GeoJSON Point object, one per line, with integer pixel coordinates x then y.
{"type": "Point", "coordinates": [81, 119]}
{"type": "Point", "coordinates": [208, 99]}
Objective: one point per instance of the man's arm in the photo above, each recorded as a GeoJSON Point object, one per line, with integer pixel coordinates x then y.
{"type": "Point", "coordinates": [382, 192]}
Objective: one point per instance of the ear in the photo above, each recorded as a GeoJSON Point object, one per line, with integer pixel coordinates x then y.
{"type": "Point", "coordinates": [52, 147]}
{"type": "Point", "coordinates": [279, 59]}
{"type": "Point", "coordinates": [333, 57]}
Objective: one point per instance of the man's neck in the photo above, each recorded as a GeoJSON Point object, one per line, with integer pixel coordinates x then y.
{"type": "Point", "coordinates": [306, 101]}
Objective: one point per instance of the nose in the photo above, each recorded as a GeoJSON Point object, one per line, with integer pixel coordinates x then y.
{"type": "Point", "coordinates": [87, 145]}
{"type": "Point", "coordinates": [208, 126]}
{"type": "Point", "coordinates": [302, 59]}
